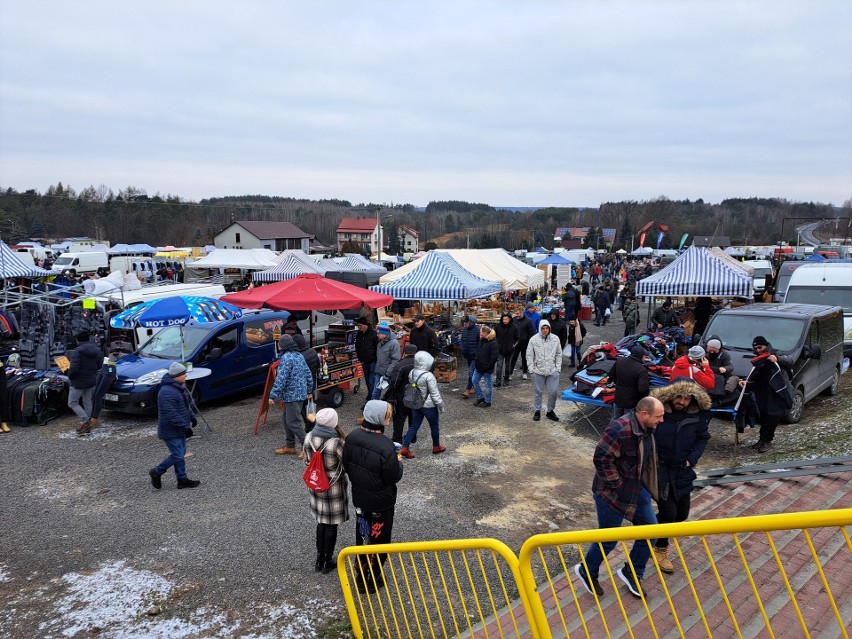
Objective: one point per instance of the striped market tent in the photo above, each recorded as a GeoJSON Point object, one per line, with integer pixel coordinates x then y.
{"type": "Point", "coordinates": [356, 262]}
{"type": "Point", "coordinates": [439, 277]}
{"type": "Point", "coordinates": [11, 265]}
{"type": "Point", "coordinates": [697, 272]}
{"type": "Point", "coordinates": [292, 264]}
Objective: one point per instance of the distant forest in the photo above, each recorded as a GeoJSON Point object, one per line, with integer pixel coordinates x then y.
{"type": "Point", "coordinates": [132, 216]}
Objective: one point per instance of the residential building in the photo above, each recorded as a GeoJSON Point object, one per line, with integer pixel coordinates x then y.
{"type": "Point", "coordinates": [275, 236]}
{"type": "Point", "coordinates": [362, 231]}
{"type": "Point", "coordinates": [408, 242]}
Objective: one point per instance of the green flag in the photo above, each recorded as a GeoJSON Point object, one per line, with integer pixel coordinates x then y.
{"type": "Point", "coordinates": [682, 241]}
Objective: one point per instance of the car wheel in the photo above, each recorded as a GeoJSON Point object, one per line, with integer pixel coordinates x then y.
{"type": "Point", "coordinates": [832, 390]}
{"type": "Point", "coordinates": [794, 415]}
{"type": "Point", "coordinates": [334, 397]}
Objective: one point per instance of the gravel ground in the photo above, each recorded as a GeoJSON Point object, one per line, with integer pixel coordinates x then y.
{"type": "Point", "coordinates": [89, 548]}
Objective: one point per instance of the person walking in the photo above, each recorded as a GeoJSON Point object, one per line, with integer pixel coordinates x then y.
{"type": "Point", "coordinates": [569, 301]}
{"type": "Point", "coordinates": [433, 405]}
{"type": "Point", "coordinates": [769, 381]}
{"type": "Point", "coordinates": [534, 316]}
{"type": "Point", "coordinates": [487, 354]}
{"type": "Point", "coordinates": [313, 362]}
{"type": "Point", "coordinates": [602, 303]}
{"type": "Point", "coordinates": [174, 424]}
{"type": "Point", "coordinates": [366, 343]}
{"type": "Point", "coordinates": [631, 381]}
{"type": "Point", "coordinates": [85, 361]}
{"type": "Point", "coordinates": [507, 338]}
{"type": "Point", "coordinates": [331, 507]}
{"type": "Point", "coordinates": [576, 335]}
{"type": "Point", "coordinates": [625, 483]}
{"type": "Point", "coordinates": [558, 326]}
{"type": "Point", "coordinates": [374, 469]}
{"type": "Point", "coordinates": [293, 384]}
{"type": "Point", "coordinates": [631, 316]}
{"type": "Point", "coordinates": [544, 354]}
{"type": "Point", "coordinates": [387, 355]}
{"type": "Point", "coordinates": [424, 336]}
{"type": "Point", "coordinates": [469, 342]}
{"type": "Point", "coordinates": [681, 439]}
{"type": "Point", "coordinates": [397, 381]}
{"type": "Point", "coordinates": [525, 334]}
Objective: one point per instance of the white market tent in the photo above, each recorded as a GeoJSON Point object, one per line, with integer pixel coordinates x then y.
{"type": "Point", "coordinates": [696, 273]}
{"type": "Point", "coordinates": [488, 264]}
{"type": "Point", "coordinates": [249, 259]}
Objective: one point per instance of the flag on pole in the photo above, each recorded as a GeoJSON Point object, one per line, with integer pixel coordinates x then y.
{"type": "Point", "coordinates": [683, 241]}
{"type": "Point", "coordinates": [660, 240]}
{"type": "Point", "coordinates": [646, 227]}
{"type": "Point", "coordinates": [642, 240]}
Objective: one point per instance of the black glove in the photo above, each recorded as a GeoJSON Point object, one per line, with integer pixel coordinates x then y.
{"type": "Point", "coordinates": [193, 422]}
{"type": "Point", "coordinates": [189, 432]}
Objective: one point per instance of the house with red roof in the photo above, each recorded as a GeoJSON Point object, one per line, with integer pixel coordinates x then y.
{"type": "Point", "coordinates": [363, 231]}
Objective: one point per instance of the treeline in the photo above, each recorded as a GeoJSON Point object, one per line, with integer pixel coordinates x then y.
{"type": "Point", "coordinates": [132, 216]}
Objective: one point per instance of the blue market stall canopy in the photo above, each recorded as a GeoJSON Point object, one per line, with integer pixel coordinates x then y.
{"type": "Point", "coordinates": [12, 266]}
{"type": "Point", "coordinates": [439, 277]}
{"type": "Point", "coordinates": [697, 272]}
{"type": "Point", "coordinates": [292, 264]}
{"type": "Point", "coordinates": [556, 258]}
{"type": "Point", "coordinates": [356, 262]}
{"type": "Point", "coordinates": [175, 311]}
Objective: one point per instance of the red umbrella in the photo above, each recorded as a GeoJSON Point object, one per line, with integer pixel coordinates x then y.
{"type": "Point", "coordinates": [308, 292]}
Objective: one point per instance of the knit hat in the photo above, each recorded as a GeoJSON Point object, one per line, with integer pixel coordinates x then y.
{"type": "Point", "coordinates": [696, 352]}
{"type": "Point", "coordinates": [760, 340]}
{"type": "Point", "coordinates": [714, 343]}
{"type": "Point", "coordinates": [375, 411]}
{"type": "Point", "coordinates": [530, 305]}
{"type": "Point", "coordinates": [327, 417]}
{"type": "Point", "coordinates": [410, 349]}
{"type": "Point", "coordinates": [300, 341]}
{"type": "Point", "coordinates": [176, 369]}
{"type": "Point", "coordinates": [362, 320]}
{"type": "Point", "coordinates": [419, 317]}
{"type": "Point", "coordinates": [286, 344]}
{"type": "Point", "coordinates": [471, 319]}
{"type": "Point", "coordinates": [383, 329]}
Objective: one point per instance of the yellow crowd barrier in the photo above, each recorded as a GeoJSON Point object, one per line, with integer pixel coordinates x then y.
{"type": "Point", "coordinates": [770, 575]}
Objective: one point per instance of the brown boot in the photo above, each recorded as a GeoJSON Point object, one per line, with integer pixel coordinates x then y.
{"type": "Point", "coordinates": [93, 423]}
{"type": "Point", "coordinates": [359, 420]}
{"type": "Point", "coordinates": [4, 427]}
{"type": "Point", "coordinates": [662, 557]}
{"type": "Point", "coordinates": [467, 393]}
{"type": "Point", "coordinates": [287, 450]}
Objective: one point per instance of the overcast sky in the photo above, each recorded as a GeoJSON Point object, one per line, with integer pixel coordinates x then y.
{"type": "Point", "coordinates": [509, 103]}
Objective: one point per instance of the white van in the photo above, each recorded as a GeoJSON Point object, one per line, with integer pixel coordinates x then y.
{"type": "Point", "coordinates": [827, 283]}
{"type": "Point", "coordinates": [762, 268]}
{"type": "Point", "coordinates": [132, 264]}
{"type": "Point", "coordinates": [82, 262]}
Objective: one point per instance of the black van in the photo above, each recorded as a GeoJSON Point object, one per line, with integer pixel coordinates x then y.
{"type": "Point", "coordinates": [811, 336]}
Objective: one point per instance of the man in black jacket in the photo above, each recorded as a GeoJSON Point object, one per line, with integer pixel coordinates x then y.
{"type": "Point", "coordinates": [558, 327]}
{"type": "Point", "coordinates": [366, 343]}
{"type": "Point", "coordinates": [397, 381]}
{"type": "Point", "coordinates": [769, 381]}
{"type": "Point", "coordinates": [486, 359]}
{"type": "Point", "coordinates": [374, 469]}
{"type": "Point", "coordinates": [424, 336]}
{"type": "Point", "coordinates": [85, 361]}
{"type": "Point", "coordinates": [525, 333]}
{"type": "Point", "coordinates": [631, 381]}
{"type": "Point", "coordinates": [507, 339]}
{"type": "Point", "coordinates": [665, 317]}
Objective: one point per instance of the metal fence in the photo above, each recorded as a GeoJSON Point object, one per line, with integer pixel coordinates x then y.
{"type": "Point", "coordinates": [773, 575]}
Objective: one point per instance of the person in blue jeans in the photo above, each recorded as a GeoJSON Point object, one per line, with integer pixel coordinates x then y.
{"type": "Point", "coordinates": [625, 483]}
{"type": "Point", "coordinates": [469, 342]}
{"type": "Point", "coordinates": [487, 354]}
{"type": "Point", "coordinates": [433, 405]}
{"type": "Point", "coordinates": [174, 425]}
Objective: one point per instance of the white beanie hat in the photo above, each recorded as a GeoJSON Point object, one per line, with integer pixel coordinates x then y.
{"type": "Point", "coordinates": [327, 417]}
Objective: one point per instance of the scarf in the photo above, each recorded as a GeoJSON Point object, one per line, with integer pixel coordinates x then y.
{"type": "Point", "coordinates": [323, 431]}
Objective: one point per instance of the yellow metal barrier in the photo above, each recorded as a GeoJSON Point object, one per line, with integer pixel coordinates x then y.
{"type": "Point", "coordinates": [733, 577]}
{"type": "Point", "coordinates": [453, 588]}
{"type": "Point", "coordinates": [729, 580]}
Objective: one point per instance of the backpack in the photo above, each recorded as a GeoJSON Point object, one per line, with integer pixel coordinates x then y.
{"type": "Point", "coordinates": [315, 477]}
{"type": "Point", "coordinates": [413, 398]}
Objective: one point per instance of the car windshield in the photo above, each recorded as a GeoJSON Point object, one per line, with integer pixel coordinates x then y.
{"type": "Point", "coordinates": [829, 296]}
{"type": "Point", "coordinates": [760, 273]}
{"type": "Point", "coordinates": [738, 330]}
{"type": "Point", "coordinates": [63, 261]}
{"type": "Point", "coordinates": [166, 344]}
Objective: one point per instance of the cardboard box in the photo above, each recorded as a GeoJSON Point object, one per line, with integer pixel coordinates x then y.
{"type": "Point", "coordinates": [445, 377]}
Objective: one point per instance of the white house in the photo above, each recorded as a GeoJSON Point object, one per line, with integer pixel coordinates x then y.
{"type": "Point", "coordinates": [275, 236]}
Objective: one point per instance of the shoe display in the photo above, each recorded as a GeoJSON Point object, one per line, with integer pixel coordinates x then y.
{"type": "Point", "coordinates": [438, 449]}
{"type": "Point", "coordinates": [552, 416]}
{"type": "Point", "coordinates": [764, 447]}
{"type": "Point", "coordinates": [156, 481]}
{"type": "Point", "coordinates": [536, 415]}
{"type": "Point", "coordinates": [591, 584]}
{"type": "Point", "coordinates": [188, 483]}
{"type": "Point", "coordinates": [406, 453]}
{"type": "Point", "coordinates": [662, 557]}
{"type": "Point", "coordinates": [485, 405]}
{"type": "Point", "coordinates": [286, 450]}
{"type": "Point", "coordinates": [633, 585]}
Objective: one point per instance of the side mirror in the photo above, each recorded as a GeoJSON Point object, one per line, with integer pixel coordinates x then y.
{"type": "Point", "coordinates": [215, 353]}
{"type": "Point", "coordinates": [812, 352]}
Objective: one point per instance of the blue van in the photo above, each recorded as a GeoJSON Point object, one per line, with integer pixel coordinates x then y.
{"type": "Point", "coordinates": [238, 353]}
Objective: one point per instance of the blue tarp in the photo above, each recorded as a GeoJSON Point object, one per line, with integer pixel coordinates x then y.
{"type": "Point", "coordinates": [556, 258]}
{"type": "Point", "coordinates": [698, 273]}
{"type": "Point", "coordinates": [439, 277]}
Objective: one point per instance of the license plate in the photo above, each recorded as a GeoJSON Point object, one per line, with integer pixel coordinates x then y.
{"type": "Point", "coordinates": [110, 397]}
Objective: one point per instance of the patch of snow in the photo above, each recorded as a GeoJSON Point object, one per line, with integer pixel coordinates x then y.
{"type": "Point", "coordinates": [112, 431]}
{"type": "Point", "coordinates": [4, 576]}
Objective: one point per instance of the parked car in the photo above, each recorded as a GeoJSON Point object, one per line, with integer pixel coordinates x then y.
{"type": "Point", "coordinates": [762, 268]}
{"type": "Point", "coordinates": [237, 352]}
{"type": "Point", "coordinates": [810, 335]}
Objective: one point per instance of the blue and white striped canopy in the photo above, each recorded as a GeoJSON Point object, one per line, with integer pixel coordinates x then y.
{"type": "Point", "coordinates": [697, 272]}
{"type": "Point", "coordinates": [292, 264]}
{"type": "Point", "coordinates": [439, 277]}
{"type": "Point", "coordinates": [12, 266]}
{"type": "Point", "coordinates": [356, 262]}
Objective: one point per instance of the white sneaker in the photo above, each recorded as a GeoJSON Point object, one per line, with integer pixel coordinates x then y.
{"type": "Point", "coordinates": [524, 376]}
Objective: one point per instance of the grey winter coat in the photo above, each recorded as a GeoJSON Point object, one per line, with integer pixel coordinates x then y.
{"type": "Point", "coordinates": [387, 355]}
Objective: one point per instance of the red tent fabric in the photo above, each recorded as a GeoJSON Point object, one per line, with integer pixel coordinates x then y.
{"type": "Point", "coordinates": [308, 292]}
